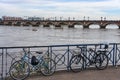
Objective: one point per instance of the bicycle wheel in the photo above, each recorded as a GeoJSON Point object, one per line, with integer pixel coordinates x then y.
{"type": "Point", "coordinates": [19, 70]}
{"type": "Point", "coordinates": [76, 63]}
{"type": "Point", "coordinates": [101, 61]}
{"type": "Point", "coordinates": [48, 66]}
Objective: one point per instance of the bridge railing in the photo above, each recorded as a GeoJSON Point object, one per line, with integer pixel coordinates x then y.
{"type": "Point", "coordinates": [60, 53]}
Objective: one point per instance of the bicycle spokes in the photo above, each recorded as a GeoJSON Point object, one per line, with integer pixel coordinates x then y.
{"type": "Point", "coordinates": [19, 70]}
{"type": "Point", "coordinates": [48, 66]}
{"type": "Point", "coordinates": [101, 61]}
{"type": "Point", "coordinates": [76, 63]}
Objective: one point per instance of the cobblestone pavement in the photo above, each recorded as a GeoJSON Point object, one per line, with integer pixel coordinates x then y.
{"type": "Point", "coordinates": [107, 74]}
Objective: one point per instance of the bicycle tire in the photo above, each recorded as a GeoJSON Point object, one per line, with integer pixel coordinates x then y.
{"type": "Point", "coordinates": [76, 63]}
{"type": "Point", "coordinates": [48, 66]}
{"type": "Point", "coordinates": [101, 61]}
{"type": "Point", "coordinates": [19, 70]}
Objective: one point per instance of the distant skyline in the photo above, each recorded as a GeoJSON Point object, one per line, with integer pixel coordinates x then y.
{"type": "Point", "coordinates": [94, 9]}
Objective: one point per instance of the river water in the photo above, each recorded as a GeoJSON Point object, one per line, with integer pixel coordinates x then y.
{"type": "Point", "coordinates": [40, 36]}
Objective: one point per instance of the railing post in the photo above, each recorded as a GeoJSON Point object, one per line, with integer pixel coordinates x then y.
{"type": "Point", "coordinates": [48, 52]}
{"type": "Point", "coordinates": [84, 51]}
{"type": "Point", "coordinates": [2, 63]}
{"type": "Point", "coordinates": [29, 49]}
{"type": "Point", "coordinates": [6, 62]}
{"type": "Point", "coordinates": [114, 54]}
{"type": "Point", "coordinates": [68, 61]}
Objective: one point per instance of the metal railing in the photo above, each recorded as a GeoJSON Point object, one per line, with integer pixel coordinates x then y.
{"type": "Point", "coordinates": [60, 53]}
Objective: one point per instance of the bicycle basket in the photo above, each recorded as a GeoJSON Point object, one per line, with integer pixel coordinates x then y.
{"type": "Point", "coordinates": [34, 61]}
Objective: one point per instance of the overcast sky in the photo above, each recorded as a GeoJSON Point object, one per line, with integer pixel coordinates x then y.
{"type": "Point", "coordinates": [61, 8]}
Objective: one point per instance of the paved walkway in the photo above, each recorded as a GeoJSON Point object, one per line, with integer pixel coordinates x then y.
{"type": "Point", "coordinates": [107, 74]}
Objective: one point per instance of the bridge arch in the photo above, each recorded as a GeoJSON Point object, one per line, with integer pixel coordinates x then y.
{"type": "Point", "coordinates": [77, 25]}
{"type": "Point", "coordinates": [50, 23]}
{"type": "Point", "coordinates": [63, 23]}
{"type": "Point", "coordinates": [38, 23]}
{"type": "Point", "coordinates": [10, 23]}
{"type": "Point", "coordinates": [27, 24]}
{"type": "Point", "coordinates": [35, 23]}
{"type": "Point", "coordinates": [93, 25]}
{"type": "Point", "coordinates": [112, 26]}
{"type": "Point", "coordinates": [18, 24]}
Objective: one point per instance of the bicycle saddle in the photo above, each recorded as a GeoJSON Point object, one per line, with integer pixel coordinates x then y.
{"type": "Point", "coordinates": [106, 46]}
{"type": "Point", "coordinates": [39, 52]}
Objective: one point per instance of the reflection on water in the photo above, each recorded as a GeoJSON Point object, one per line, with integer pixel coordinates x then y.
{"type": "Point", "coordinates": [37, 36]}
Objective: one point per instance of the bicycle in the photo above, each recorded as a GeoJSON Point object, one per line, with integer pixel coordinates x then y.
{"type": "Point", "coordinates": [21, 69]}
{"type": "Point", "coordinates": [99, 58]}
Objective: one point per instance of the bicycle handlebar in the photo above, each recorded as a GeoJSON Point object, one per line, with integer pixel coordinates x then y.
{"type": "Point", "coordinates": [38, 52]}
{"type": "Point", "coordinates": [90, 49]}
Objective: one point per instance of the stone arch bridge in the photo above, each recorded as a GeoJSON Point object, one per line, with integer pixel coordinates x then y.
{"type": "Point", "coordinates": [58, 23]}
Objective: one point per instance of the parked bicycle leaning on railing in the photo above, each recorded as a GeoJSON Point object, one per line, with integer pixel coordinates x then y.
{"type": "Point", "coordinates": [21, 69]}
{"type": "Point", "coordinates": [99, 58]}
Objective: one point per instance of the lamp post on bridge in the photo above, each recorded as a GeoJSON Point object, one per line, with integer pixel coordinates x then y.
{"type": "Point", "coordinates": [55, 18]}
{"type": "Point", "coordinates": [104, 18]}
{"type": "Point", "coordinates": [43, 18]}
{"type": "Point", "coordinates": [73, 18]}
{"type": "Point", "coordinates": [60, 18]}
{"type": "Point", "coordinates": [69, 18]}
{"type": "Point", "coordinates": [84, 18]}
{"type": "Point", "coordinates": [88, 18]}
{"type": "Point", "coordinates": [101, 18]}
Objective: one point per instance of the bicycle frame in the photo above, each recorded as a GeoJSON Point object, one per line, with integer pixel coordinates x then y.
{"type": "Point", "coordinates": [95, 53]}
{"type": "Point", "coordinates": [91, 60]}
{"type": "Point", "coordinates": [26, 58]}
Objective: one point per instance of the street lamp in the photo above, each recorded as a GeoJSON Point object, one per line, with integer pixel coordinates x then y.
{"type": "Point", "coordinates": [43, 18]}
{"type": "Point", "coordinates": [84, 17]}
{"type": "Point", "coordinates": [104, 18]}
{"type": "Point", "coordinates": [88, 18]}
{"type": "Point", "coordinates": [101, 18]}
{"type": "Point", "coordinates": [55, 18]}
{"type": "Point", "coordinates": [68, 18]}
{"type": "Point", "coordinates": [60, 18]}
{"type": "Point", "coordinates": [73, 18]}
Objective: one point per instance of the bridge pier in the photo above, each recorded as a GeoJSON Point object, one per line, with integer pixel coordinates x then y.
{"type": "Point", "coordinates": [17, 24]}
{"type": "Point", "coordinates": [85, 26]}
{"type": "Point", "coordinates": [71, 26]}
{"type": "Point", "coordinates": [9, 24]}
{"type": "Point", "coordinates": [45, 25]}
{"type": "Point", "coordinates": [57, 26]}
{"type": "Point", "coordinates": [35, 25]}
{"type": "Point", "coordinates": [102, 27]}
{"type": "Point", "coordinates": [26, 25]}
